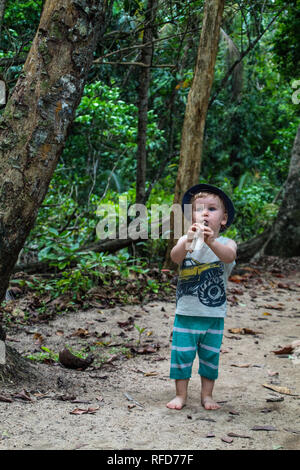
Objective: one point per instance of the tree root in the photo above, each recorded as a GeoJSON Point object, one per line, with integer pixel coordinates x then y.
{"type": "Point", "coordinates": [17, 369]}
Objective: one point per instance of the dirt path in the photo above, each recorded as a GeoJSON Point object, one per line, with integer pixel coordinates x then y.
{"type": "Point", "coordinates": [127, 397]}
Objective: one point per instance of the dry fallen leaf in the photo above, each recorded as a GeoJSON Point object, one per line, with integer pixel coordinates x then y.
{"type": "Point", "coordinates": [263, 428]}
{"type": "Point", "coordinates": [243, 331]}
{"type": "Point", "coordinates": [288, 348]}
{"type": "Point", "coordinates": [279, 306]}
{"type": "Point", "coordinates": [232, 299]}
{"type": "Point", "coordinates": [241, 365]}
{"type": "Point", "coordinates": [236, 290]}
{"type": "Point", "coordinates": [285, 350]}
{"type": "Point", "coordinates": [123, 324]}
{"type": "Point", "coordinates": [282, 285]}
{"type": "Point", "coordinates": [233, 434]}
{"type": "Point", "coordinates": [113, 358]}
{"type": "Point", "coordinates": [66, 397]}
{"type": "Point", "coordinates": [278, 389]}
{"type": "Point", "coordinates": [227, 439]}
{"type": "Point", "coordinates": [294, 431]}
{"type": "Point", "coordinates": [237, 278]}
{"type": "Point", "coordinates": [39, 338]}
{"type": "Point", "coordinates": [81, 411]}
{"type": "Point", "coordinates": [24, 395]}
{"type": "Point", "coordinates": [5, 399]}
{"type": "Point", "coordinates": [81, 332]}
{"type": "Point", "coordinates": [274, 399]}
{"type": "Point", "coordinates": [146, 349]}
{"type": "Point", "coordinates": [224, 351]}
{"type": "Point", "coordinates": [236, 330]}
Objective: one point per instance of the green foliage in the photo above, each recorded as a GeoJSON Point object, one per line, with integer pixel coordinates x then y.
{"type": "Point", "coordinates": [249, 133]}
{"type": "Point", "coordinates": [58, 236]}
{"type": "Point", "coordinates": [20, 22]}
{"type": "Point", "coordinates": [90, 270]}
{"type": "Point", "coordinates": [104, 140]}
{"type": "Point", "coordinates": [286, 52]}
{"type": "Point", "coordinates": [19, 27]}
{"type": "Point", "coordinates": [254, 204]}
{"type": "Point", "coordinates": [257, 129]}
{"type": "Point", "coordinates": [140, 332]}
{"type": "Point", "coordinates": [46, 355]}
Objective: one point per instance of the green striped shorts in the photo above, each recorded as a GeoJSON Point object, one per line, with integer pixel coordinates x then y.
{"type": "Point", "coordinates": [191, 335]}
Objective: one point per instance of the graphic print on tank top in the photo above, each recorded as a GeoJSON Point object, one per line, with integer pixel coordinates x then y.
{"type": "Point", "coordinates": [203, 280]}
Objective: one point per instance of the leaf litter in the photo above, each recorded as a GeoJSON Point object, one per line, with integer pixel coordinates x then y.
{"type": "Point", "coordinates": [251, 285]}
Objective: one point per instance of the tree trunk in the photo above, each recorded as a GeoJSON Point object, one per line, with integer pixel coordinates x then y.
{"type": "Point", "coordinates": [143, 90]}
{"type": "Point", "coordinates": [248, 250]}
{"type": "Point", "coordinates": [284, 239]}
{"type": "Point", "coordinates": [34, 125]}
{"type": "Point", "coordinates": [196, 108]}
{"type": "Point", "coordinates": [2, 11]}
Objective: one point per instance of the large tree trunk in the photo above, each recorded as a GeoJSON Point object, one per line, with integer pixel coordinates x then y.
{"type": "Point", "coordinates": [284, 239]}
{"type": "Point", "coordinates": [249, 250]}
{"type": "Point", "coordinates": [143, 91]}
{"type": "Point", "coordinates": [34, 125]}
{"type": "Point", "coordinates": [196, 108]}
{"type": "Point", "coordinates": [2, 11]}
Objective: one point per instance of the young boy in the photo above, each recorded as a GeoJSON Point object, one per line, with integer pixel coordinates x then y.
{"type": "Point", "coordinates": [201, 291]}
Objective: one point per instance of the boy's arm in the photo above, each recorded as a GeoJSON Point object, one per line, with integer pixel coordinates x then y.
{"type": "Point", "coordinates": [183, 246]}
{"type": "Point", "coordinates": [225, 253]}
{"type": "Point", "coordinates": [179, 251]}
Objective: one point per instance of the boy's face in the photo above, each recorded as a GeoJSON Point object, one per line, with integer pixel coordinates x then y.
{"type": "Point", "coordinates": [210, 211]}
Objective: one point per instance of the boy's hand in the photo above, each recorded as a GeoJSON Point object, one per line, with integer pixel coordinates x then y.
{"type": "Point", "coordinates": [194, 232]}
{"type": "Point", "coordinates": [199, 230]}
{"type": "Point", "coordinates": [208, 234]}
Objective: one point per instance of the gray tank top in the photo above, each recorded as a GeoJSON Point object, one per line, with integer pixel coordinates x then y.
{"type": "Point", "coordinates": [201, 287]}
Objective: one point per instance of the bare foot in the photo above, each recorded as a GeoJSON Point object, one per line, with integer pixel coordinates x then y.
{"type": "Point", "coordinates": [209, 404]}
{"type": "Point", "coordinates": [176, 404]}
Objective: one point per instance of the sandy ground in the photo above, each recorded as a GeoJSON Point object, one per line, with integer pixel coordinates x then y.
{"type": "Point", "coordinates": [126, 397]}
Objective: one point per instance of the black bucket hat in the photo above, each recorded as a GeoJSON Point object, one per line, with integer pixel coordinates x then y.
{"type": "Point", "coordinates": [208, 188]}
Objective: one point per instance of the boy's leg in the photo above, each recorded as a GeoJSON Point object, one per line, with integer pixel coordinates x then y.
{"type": "Point", "coordinates": [209, 352]}
{"type": "Point", "coordinates": [184, 347]}
{"type": "Point", "coordinates": [206, 394]}
{"type": "Point", "coordinates": [181, 395]}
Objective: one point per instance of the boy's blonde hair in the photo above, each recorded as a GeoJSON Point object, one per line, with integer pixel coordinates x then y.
{"type": "Point", "coordinates": [204, 194]}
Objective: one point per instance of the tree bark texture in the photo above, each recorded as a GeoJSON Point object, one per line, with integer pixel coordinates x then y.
{"type": "Point", "coordinates": [284, 239]}
{"type": "Point", "coordinates": [248, 250]}
{"type": "Point", "coordinates": [17, 369]}
{"type": "Point", "coordinates": [143, 91]}
{"type": "Point", "coordinates": [35, 122]}
{"type": "Point", "coordinates": [197, 105]}
{"type": "Point", "coordinates": [2, 11]}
